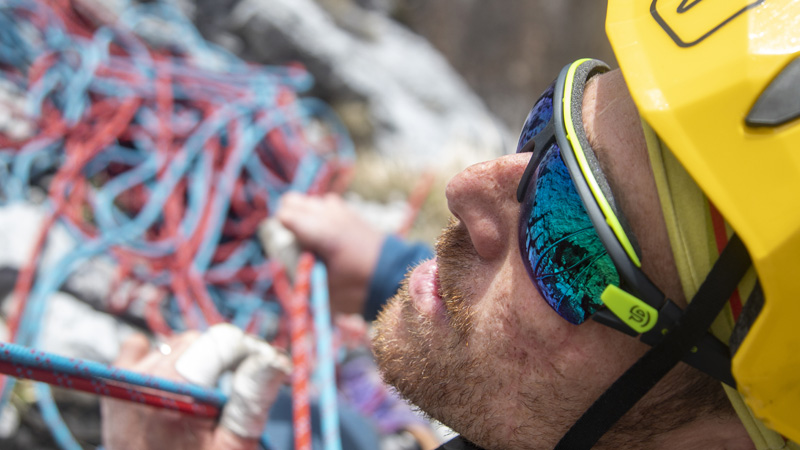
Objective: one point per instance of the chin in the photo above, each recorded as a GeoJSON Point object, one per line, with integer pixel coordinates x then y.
{"type": "Point", "coordinates": [431, 367]}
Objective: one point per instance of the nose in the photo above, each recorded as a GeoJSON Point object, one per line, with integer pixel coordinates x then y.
{"type": "Point", "coordinates": [483, 198]}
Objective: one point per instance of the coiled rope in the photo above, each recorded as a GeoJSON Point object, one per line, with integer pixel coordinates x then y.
{"type": "Point", "coordinates": [163, 158]}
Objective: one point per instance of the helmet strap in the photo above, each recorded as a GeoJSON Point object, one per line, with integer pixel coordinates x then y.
{"type": "Point", "coordinates": [631, 386]}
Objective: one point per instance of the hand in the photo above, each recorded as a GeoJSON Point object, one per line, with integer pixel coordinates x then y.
{"type": "Point", "coordinates": [345, 242]}
{"type": "Point", "coordinates": [199, 359]}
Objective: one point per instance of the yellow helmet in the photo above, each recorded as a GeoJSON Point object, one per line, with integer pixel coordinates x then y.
{"type": "Point", "coordinates": [719, 82]}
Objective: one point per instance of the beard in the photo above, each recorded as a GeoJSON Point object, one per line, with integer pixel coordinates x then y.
{"type": "Point", "coordinates": [460, 374]}
{"type": "Point", "coordinates": [431, 365]}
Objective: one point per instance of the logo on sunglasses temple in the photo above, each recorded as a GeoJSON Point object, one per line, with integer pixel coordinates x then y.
{"type": "Point", "coordinates": [639, 316]}
{"type": "Point", "coordinates": [631, 310]}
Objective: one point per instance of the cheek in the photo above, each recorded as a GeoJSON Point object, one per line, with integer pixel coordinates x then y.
{"type": "Point", "coordinates": [515, 325]}
{"type": "Point", "coordinates": [595, 356]}
{"type": "Point", "coordinates": [522, 336]}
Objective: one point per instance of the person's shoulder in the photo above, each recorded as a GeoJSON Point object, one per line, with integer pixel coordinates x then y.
{"type": "Point", "coordinates": [458, 443]}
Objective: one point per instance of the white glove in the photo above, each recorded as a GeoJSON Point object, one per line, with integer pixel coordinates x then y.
{"type": "Point", "coordinates": [260, 370]}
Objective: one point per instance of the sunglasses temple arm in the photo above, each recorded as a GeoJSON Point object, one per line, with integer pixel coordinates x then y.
{"type": "Point", "coordinates": [709, 355]}
{"type": "Point", "coordinates": [536, 145]}
{"type": "Point", "coordinates": [523, 182]}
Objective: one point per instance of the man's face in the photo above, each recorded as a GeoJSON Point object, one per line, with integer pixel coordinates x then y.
{"type": "Point", "coordinates": [470, 340]}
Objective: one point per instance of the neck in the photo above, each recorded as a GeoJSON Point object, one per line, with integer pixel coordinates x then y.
{"type": "Point", "coordinates": [707, 434]}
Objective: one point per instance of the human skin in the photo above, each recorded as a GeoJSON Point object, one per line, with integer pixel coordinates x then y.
{"type": "Point", "coordinates": [470, 340]}
{"type": "Point", "coordinates": [130, 426]}
{"type": "Point", "coordinates": [347, 244]}
{"type": "Point", "coordinates": [192, 357]}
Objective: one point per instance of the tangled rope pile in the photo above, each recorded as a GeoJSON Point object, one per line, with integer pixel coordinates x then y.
{"type": "Point", "coordinates": [165, 159]}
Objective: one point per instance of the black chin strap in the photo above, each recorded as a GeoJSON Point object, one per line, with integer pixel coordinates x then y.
{"type": "Point", "coordinates": [629, 388]}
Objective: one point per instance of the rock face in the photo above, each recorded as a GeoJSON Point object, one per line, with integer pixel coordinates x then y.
{"type": "Point", "coordinates": [506, 52]}
{"type": "Point", "coordinates": [398, 95]}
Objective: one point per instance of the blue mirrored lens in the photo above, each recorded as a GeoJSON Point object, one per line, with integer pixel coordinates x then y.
{"type": "Point", "coordinates": [537, 118]}
{"type": "Point", "coordinates": [560, 248]}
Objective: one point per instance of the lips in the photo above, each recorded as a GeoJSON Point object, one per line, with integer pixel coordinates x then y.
{"type": "Point", "coordinates": [424, 290]}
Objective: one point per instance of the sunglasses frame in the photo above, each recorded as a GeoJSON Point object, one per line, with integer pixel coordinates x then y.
{"type": "Point", "coordinates": [565, 128]}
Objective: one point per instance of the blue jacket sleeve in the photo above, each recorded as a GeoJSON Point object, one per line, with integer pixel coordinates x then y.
{"type": "Point", "coordinates": [396, 258]}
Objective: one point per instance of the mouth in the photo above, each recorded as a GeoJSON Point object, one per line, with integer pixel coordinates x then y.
{"type": "Point", "coordinates": [425, 290]}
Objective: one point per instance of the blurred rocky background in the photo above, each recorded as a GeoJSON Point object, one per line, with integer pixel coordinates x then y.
{"type": "Point", "coordinates": [508, 51]}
